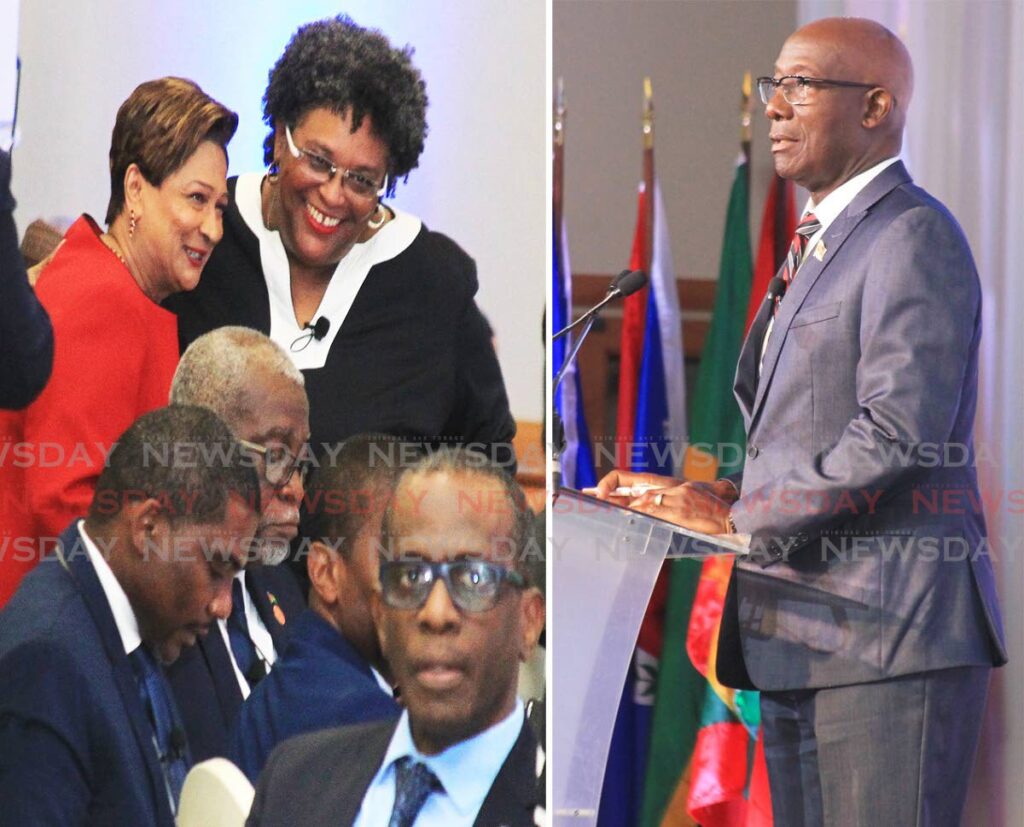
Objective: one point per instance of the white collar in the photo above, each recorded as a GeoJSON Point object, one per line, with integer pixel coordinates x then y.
{"type": "Point", "coordinates": [467, 769]}
{"type": "Point", "coordinates": [120, 606]}
{"type": "Point", "coordinates": [841, 197]}
{"type": "Point", "coordinates": [391, 240]}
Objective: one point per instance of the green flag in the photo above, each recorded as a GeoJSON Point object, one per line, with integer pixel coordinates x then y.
{"type": "Point", "coordinates": [714, 419]}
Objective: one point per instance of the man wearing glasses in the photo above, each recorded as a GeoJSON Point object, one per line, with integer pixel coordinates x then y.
{"type": "Point", "coordinates": [249, 382]}
{"type": "Point", "coordinates": [456, 615]}
{"type": "Point", "coordinates": [866, 612]}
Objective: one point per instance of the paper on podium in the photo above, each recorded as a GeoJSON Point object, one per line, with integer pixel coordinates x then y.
{"type": "Point", "coordinates": [605, 561]}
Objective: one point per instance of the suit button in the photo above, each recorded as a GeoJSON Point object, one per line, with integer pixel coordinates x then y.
{"type": "Point", "coordinates": [753, 451]}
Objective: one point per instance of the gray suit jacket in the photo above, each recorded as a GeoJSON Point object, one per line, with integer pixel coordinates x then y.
{"type": "Point", "coordinates": [868, 540]}
{"type": "Point", "coordinates": [319, 780]}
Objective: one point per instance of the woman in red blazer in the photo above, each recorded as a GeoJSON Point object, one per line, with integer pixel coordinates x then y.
{"type": "Point", "coordinates": [115, 348]}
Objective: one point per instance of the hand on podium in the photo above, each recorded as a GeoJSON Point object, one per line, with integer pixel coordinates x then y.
{"type": "Point", "coordinates": [698, 506]}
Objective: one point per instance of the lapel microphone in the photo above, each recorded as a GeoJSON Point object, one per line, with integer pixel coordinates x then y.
{"type": "Point", "coordinates": [776, 288]}
{"type": "Point", "coordinates": [317, 330]}
{"type": "Point", "coordinates": [178, 744]}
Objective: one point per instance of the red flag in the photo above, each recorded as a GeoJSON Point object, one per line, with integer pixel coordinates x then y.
{"type": "Point", "coordinates": [778, 224]}
{"type": "Point", "coordinates": [634, 314]}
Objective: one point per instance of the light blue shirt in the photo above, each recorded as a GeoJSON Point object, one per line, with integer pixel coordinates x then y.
{"type": "Point", "coordinates": [466, 771]}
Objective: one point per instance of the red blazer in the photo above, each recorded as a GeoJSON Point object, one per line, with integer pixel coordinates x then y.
{"type": "Point", "coordinates": [115, 352]}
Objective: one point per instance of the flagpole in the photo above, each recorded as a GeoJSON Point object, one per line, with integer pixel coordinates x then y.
{"type": "Point", "coordinates": [745, 123]}
{"type": "Point", "coordinates": [558, 154]}
{"type": "Point", "coordinates": [648, 132]}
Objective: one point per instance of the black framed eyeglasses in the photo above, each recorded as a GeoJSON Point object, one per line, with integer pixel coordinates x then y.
{"type": "Point", "coordinates": [473, 585]}
{"type": "Point", "coordinates": [794, 87]}
{"type": "Point", "coordinates": [279, 463]}
{"type": "Point", "coordinates": [360, 185]}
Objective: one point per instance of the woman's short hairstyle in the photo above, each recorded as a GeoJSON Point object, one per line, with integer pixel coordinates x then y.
{"type": "Point", "coordinates": [339, 65]}
{"type": "Point", "coordinates": [158, 128]}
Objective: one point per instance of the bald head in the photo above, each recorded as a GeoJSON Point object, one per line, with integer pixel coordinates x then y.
{"type": "Point", "coordinates": [852, 118]}
{"type": "Point", "coordinates": [867, 52]}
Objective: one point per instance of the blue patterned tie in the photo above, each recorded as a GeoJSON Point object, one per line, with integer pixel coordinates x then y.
{"type": "Point", "coordinates": [172, 749]}
{"type": "Point", "coordinates": [414, 782]}
{"type": "Point", "coordinates": [242, 647]}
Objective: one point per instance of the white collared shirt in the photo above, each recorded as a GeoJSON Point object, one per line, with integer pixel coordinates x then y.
{"type": "Point", "coordinates": [826, 212]}
{"type": "Point", "coordinates": [258, 634]}
{"type": "Point", "coordinates": [120, 606]}
{"type": "Point", "coordinates": [349, 275]}
{"type": "Point", "coordinates": [466, 771]}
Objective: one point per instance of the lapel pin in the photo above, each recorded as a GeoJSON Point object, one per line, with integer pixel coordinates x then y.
{"type": "Point", "coordinates": [278, 611]}
{"type": "Point", "coordinates": [819, 251]}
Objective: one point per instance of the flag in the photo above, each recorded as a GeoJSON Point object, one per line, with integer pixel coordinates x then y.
{"type": "Point", "coordinates": [577, 461]}
{"type": "Point", "coordinates": [728, 784]}
{"type": "Point", "coordinates": [652, 425]}
{"type": "Point", "coordinates": [778, 224]}
{"type": "Point", "coordinates": [716, 430]}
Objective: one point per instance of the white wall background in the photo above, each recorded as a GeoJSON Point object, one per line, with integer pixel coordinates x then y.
{"type": "Point", "coordinates": [481, 178]}
{"type": "Point", "coordinates": [8, 64]}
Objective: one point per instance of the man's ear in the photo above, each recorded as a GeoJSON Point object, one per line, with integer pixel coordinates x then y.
{"type": "Point", "coordinates": [148, 526]}
{"type": "Point", "coordinates": [533, 616]}
{"type": "Point", "coordinates": [321, 563]}
{"type": "Point", "coordinates": [879, 106]}
{"type": "Point", "coordinates": [377, 609]}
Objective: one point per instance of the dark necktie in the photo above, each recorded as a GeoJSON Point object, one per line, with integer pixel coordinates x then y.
{"type": "Point", "coordinates": [242, 647]}
{"type": "Point", "coordinates": [172, 749]}
{"type": "Point", "coordinates": [807, 227]}
{"type": "Point", "coordinates": [414, 782]}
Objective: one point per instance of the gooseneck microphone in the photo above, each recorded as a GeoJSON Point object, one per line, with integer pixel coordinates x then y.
{"type": "Point", "coordinates": [317, 330]}
{"type": "Point", "coordinates": [624, 284]}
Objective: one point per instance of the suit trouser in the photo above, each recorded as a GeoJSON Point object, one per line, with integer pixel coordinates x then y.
{"type": "Point", "coordinates": [896, 753]}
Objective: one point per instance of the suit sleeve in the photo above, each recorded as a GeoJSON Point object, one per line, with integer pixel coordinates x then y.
{"type": "Point", "coordinates": [26, 337]}
{"type": "Point", "coordinates": [481, 413]}
{"type": "Point", "coordinates": [919, 329]}
{"type": "Point", "coordinates": [43, 772]}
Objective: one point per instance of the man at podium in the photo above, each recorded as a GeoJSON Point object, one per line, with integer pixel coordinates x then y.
{"type": "Point", "coordinates": [866, 609]}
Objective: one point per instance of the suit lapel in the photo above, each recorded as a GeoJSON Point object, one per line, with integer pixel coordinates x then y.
{"type": "Point", "coordinates": [222, 672]}
{"type": "Point", "coordinates": [361, 768]}
{"type": "Point", "coordinates": [80, 567]}
{"type": "Point", "coordinates": [745, 382]}
{"type": "Point", "coordinates": [513, 795]}
{"type": "Point", "coordinates": [806, 277]}
{"type": "Point", "coordinates": [268, 607]}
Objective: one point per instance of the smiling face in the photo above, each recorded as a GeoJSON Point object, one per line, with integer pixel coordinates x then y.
{"type": "Point", "coordinates": [319, 222]}
{"type": "Point", "coordinates": [183, 581]}
{"type": "Point", "coordinates": [274, 412]}
{"type": "Point", "coordinates": [179, 222]}
{"type": "Point", "coordinates": [457, 670]}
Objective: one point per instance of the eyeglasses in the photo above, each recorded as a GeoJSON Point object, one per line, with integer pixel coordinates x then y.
{"type": "Point", "coordinates": [360, 185]}
{"type": "Point", "coordinates": [473, 585]}
{"type": "Point", "coordinates": [279, 464]}
{"type": "Point", "coordinates": [794, 87]}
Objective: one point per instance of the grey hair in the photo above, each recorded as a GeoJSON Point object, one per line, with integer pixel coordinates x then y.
{"type": "Point", "coordinates": [214, 370]}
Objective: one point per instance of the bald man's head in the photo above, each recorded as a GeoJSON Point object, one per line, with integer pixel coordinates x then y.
{"type": "Point", "coordinates": [839, 129]}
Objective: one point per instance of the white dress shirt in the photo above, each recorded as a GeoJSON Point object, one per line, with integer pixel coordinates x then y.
{"type": "Point", "coordinates": [258, 634]}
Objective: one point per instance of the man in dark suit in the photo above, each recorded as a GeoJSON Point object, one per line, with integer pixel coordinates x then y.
{"type": "Point", "coordinates": [866, 612]}
{"type": "Point", "coordinates": [89, 734]}
{"type": "Point", "coordinates": [26, 337]}
{"type": "Point", "coordinates": [247, 380]}
{"type": "Point", "coordinates": [456, 615]}
{"type": "Point", "coordinates": [332, 673]}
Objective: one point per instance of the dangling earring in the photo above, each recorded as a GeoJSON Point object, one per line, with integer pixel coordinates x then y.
{"type": "Point", "coordinates": [376, 223]}
{"type": "Point", "coordinates": [131, 224]}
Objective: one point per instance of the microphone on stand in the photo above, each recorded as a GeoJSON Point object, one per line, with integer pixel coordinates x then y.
{"type": "Point", "coordinates": [624, 284]}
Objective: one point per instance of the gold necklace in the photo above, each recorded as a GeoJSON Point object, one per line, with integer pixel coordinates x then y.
{"type": "Point", "coordinates": [114, 247]}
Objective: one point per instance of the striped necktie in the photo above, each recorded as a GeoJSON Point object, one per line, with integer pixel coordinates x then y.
{"type": "Point", "coordinates": [807, 227]}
